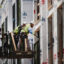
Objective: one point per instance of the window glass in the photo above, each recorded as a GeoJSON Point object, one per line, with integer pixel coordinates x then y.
{"type": "Point", "coordinates": [5, 25]}
{"type": "Point", "coordinates": [14, 16]}
{"type": "Point", "coordinates": [18, 12]}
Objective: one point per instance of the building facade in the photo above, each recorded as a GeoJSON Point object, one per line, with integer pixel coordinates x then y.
{"type": "Point", "coordinates": [9, 22]}
{"type": "Point", "coordinates": [47, 15]}
{"type": "Point", "coordinates": [52, 34]}
{"type": "Point", "coordinates": [51, 31]}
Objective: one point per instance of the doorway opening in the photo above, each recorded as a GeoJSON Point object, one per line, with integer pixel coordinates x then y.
{"type": "Point", "coordinates": [37, 49]}
{"type": "Point", "coordinates": [50, 41]}
{"type": "Point", "coordinates": [60, 34]}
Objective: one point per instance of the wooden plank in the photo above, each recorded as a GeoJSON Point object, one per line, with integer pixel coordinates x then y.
{"type": "Point", "coordinates": [25, 44]}
{"type": "Point", "coordinates": [13, 42]}
{"type": "Point", "coordinates": [23, 54]}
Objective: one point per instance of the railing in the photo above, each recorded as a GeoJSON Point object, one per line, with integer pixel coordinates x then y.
{"type": "Point", "coordinates": [10, 47]}
{"type": "Point", "coordinates": [26, 46]}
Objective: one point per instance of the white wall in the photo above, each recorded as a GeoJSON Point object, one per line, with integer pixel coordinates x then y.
{"type": "Point", "coordinates": [27, 7]}
{"type": "Point", "coordinates": [10, 24]}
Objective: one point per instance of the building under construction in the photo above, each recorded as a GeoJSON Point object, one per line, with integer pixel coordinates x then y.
{"type": "Point", "coordinates": [47, 17]}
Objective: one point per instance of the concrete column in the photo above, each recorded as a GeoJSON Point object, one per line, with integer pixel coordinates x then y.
{"type": "Point", "coordinates": [15, 61]}
{"type": "Point", "coordinates": [16, 13]}
{"type": "Point", "coordinates": [26, 61]}
{"type": "Point", "coordinates": [10, 23]}
{"type": "Point", "coordinates": [44, 33]}
{"type": "Point", "coordinates": [9, 61]}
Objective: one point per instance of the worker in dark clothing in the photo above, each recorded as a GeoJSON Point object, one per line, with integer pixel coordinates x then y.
{"type": "Point", "coordinates": [6, 44]}
{"type": "Point", "coordinates": [24, 33]}
{"type": "Point", "coordinates": [17, 33]}
{"type": "Point", "coordinates": [21, 43]}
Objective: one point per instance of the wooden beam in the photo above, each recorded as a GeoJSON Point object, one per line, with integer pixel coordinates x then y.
{"type": "Point", "coordinates": [36, 22]}
{"type": "Point", "coordinates": [13, 41]}
{"type": "Point", "coordinates": [25, 44]}
{"type": "Point", "coordinates": [50, 16]}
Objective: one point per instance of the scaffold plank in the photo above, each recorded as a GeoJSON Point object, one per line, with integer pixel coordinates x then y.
{"type": "Point", "coordinates": [17, 54]}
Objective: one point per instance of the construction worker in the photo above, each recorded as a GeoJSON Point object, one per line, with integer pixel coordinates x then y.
{"type": "Point", "coordinates": [18, 29]}
{"type": "Point", "coordinates": [17, 33]}
{"type": "Point", "coordinates": [30, 37]}
{"type": "Point", "coordinates": [27, 26]}
{"type": "Point", "coordinates": [24, 32]}
{"type": "Point", "coordinates": [21, 43]}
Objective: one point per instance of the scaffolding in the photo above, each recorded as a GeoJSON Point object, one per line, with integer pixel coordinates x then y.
{"type": "Point", "coordinates": [13, 52]}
